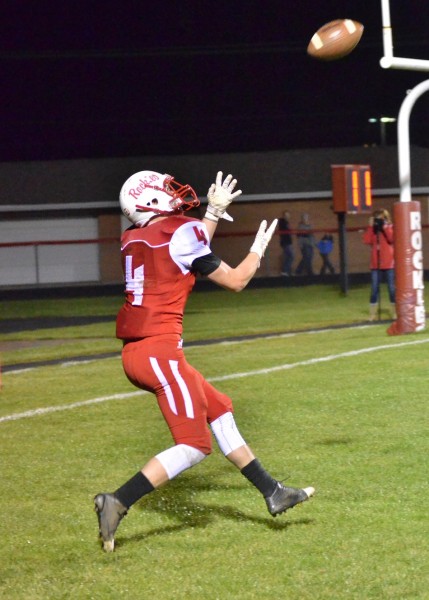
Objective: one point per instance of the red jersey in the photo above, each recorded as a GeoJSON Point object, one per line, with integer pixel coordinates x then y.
{"type": "Point", "coordinates": [157, 265]}
{"type": "Point", "coordinates": [385, 252]}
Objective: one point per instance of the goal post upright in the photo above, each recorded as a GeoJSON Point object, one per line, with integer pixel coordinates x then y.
{"type": "Point", "coordinates": [407, 214]}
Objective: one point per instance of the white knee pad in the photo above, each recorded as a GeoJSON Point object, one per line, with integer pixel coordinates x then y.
{"type": "Point", "coordinates": [179, 458]}
{"type": "Point", "coordinates": [226, 433]}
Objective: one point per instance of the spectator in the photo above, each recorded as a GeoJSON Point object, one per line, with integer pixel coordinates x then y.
{"type": "Point", "coordinates": [286, 243]}
{"type": "Point", "coordinates": [325, 247]}
{"type": "Point", "coordinates": [379, 235]}
{"type": "Point", "coordinates": [306, 246]}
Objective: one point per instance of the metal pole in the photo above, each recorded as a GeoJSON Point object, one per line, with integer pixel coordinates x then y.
{"type": "Point", "coordinates": [387, 30]}
{"type": "Point", "coordinates": [389, 61]}
{"type": "Point", "coordinates": [343, 252]}
{"type": "Point", "coordinates": [404, 139]}
{"type": "Point", "coordinates": [409, 259]}
{"type": "Point", "coordinates": [382, 132]}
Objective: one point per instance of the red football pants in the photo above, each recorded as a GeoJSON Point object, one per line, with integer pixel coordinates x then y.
{"type": "Point", "coordinates": [187, 401]}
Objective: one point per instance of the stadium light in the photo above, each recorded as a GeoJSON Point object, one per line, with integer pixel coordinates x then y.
{"type": "Point", "coordinates": [383, 122]}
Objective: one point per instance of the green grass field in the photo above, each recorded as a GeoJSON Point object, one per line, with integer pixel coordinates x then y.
{"type": "Point", "coordinates": [341, 408]}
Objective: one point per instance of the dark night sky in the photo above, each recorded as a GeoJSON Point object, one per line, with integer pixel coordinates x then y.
{"type": "Point", "coordinates": [119, 78]}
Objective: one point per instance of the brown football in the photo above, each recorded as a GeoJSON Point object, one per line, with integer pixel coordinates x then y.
{"type": "Point", "coordinates": [335, 39]}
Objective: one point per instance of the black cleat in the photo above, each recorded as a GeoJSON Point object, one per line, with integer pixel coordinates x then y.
{"type": "Point", "coordinates": [286, 497]}
{"type": "Point", "coordinates": [109, 511]}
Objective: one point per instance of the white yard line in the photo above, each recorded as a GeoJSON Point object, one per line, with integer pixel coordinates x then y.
{"type": "Point", "coordinates": [312, 361]}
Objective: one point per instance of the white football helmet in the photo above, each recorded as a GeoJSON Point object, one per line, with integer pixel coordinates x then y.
{"type": "Point", "coordinates": [148, 194]}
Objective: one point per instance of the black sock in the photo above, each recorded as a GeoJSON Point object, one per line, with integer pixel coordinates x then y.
{"type": "Point", "coordinates": [257, 475]}
{"type": "Point", "coordinates": [134, 489]}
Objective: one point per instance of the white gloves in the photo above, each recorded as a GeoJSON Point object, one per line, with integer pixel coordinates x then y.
{"type": "Point", "coordinates": [220, 197]}
{"type": "Point", "coordinates": [263, 238]}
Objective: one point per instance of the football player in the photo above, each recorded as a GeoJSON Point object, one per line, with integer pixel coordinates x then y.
{"type": "Point", "coordinates": [162, 252]}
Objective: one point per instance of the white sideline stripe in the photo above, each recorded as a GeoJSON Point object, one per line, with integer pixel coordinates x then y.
{"type": "Point", "coordinates": [302, 363]}
{"type": "Point", "coordinates": [192, 346]}
{"type": "Point", "coordinates": [51, 409]}
{"type": "Point", "coordinates": [312, 361]}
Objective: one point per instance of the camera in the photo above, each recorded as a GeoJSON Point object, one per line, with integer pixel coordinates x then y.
{"type": "Point", "coordinates": [378, 225]}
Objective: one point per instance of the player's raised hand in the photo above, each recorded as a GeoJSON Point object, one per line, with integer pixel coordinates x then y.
{"type": "Point", "coordinates": [219, 196]}
{"type": "Point", "coordinates": [263, 237]}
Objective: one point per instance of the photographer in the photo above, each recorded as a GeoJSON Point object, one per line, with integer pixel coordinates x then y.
{"type": "Point", "coordinates": [379, 235]}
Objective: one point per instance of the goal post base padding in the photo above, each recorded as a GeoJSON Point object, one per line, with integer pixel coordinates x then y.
{"type": "Point", "coordinates": [409, 272]}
